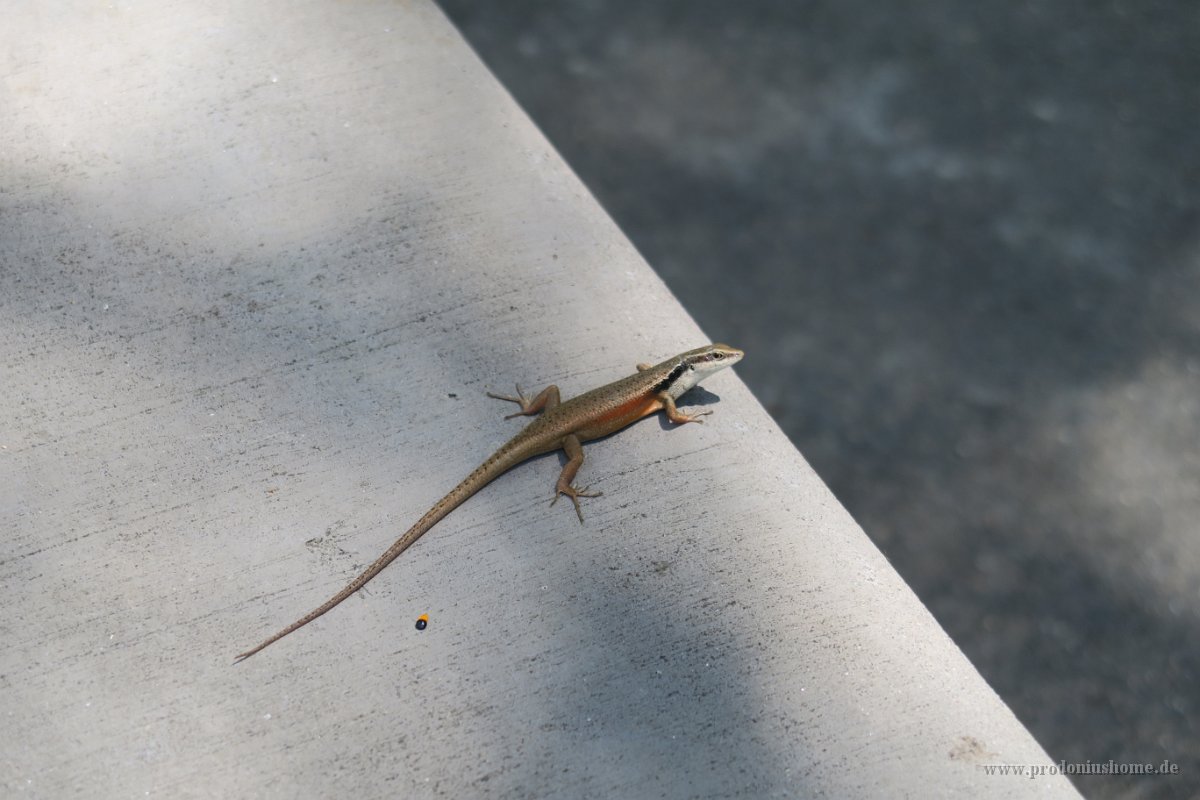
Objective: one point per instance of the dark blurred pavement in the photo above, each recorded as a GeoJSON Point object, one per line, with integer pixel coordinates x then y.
{"type": "Point", "coordinates": [960, 243]}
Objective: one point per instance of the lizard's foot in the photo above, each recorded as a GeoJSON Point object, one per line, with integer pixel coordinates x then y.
{"type": "Point", "coordinates": [521, 400]}
{"type": "Point", "coordinates": [545, 400]}
{"type": "Point", "coordinates": [574, 493]}
{"type": "Point", "coordinates": [680, 418]}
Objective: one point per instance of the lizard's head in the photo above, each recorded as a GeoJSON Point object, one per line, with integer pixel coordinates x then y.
{"type": "Point", "coordinates": [696, 365]}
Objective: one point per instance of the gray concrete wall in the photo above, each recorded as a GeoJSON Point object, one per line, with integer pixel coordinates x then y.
{"type": "Point", "coordinates": [257, 266]}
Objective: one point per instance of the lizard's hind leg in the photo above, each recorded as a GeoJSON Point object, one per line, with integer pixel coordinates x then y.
{"type": "Point", "coordinates": [545, 400]}
{"type": "Point", "coordinates": [574, 450]}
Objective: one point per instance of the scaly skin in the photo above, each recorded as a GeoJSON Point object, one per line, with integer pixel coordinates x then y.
{"type": "Point", "coordinates": [562, 425]}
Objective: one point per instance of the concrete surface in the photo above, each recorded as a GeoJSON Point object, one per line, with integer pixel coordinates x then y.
{"type": "Point", "coordinates": [258, 263]}
{"type": "Point", "coordinates": [963, 240]}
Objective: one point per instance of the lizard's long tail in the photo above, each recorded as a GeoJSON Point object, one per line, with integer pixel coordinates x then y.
{"type": "Point", "coordinates": [500, 462]}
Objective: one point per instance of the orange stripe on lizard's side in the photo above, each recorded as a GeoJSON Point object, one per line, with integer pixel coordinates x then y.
{"type": "Point", "coordinates": [636, 408]}
{"type": "Point", "coordinates": [617, 417]}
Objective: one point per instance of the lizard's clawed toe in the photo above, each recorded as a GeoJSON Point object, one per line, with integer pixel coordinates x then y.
{"type": "Point", "coordinates": [574, 493]}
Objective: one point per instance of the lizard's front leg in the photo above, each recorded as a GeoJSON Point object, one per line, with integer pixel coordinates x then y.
{"type": "Point", "coordinates": [677, 416]}
{"type": "Point", "coordinates": [574, 450]}
{"type": "Point", "coordinates": [545, 400]}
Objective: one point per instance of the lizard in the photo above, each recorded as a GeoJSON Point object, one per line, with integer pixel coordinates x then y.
{"type": "Point", "coordinates": [562, 425]}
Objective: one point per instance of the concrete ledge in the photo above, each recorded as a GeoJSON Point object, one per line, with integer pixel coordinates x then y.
{"type": "Point", "coordinates": [258, 264]}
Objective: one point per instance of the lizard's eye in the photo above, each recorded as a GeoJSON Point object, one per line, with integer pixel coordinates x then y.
{"type": "Point", "coordinates": [718, 355]}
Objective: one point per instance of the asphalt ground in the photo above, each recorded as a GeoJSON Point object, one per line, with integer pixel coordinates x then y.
{"type": "Point", "coordinates": [961, 246]}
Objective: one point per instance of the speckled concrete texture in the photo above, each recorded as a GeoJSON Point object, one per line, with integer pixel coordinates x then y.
{"type": "Point", "coordinates": [258, 264]}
